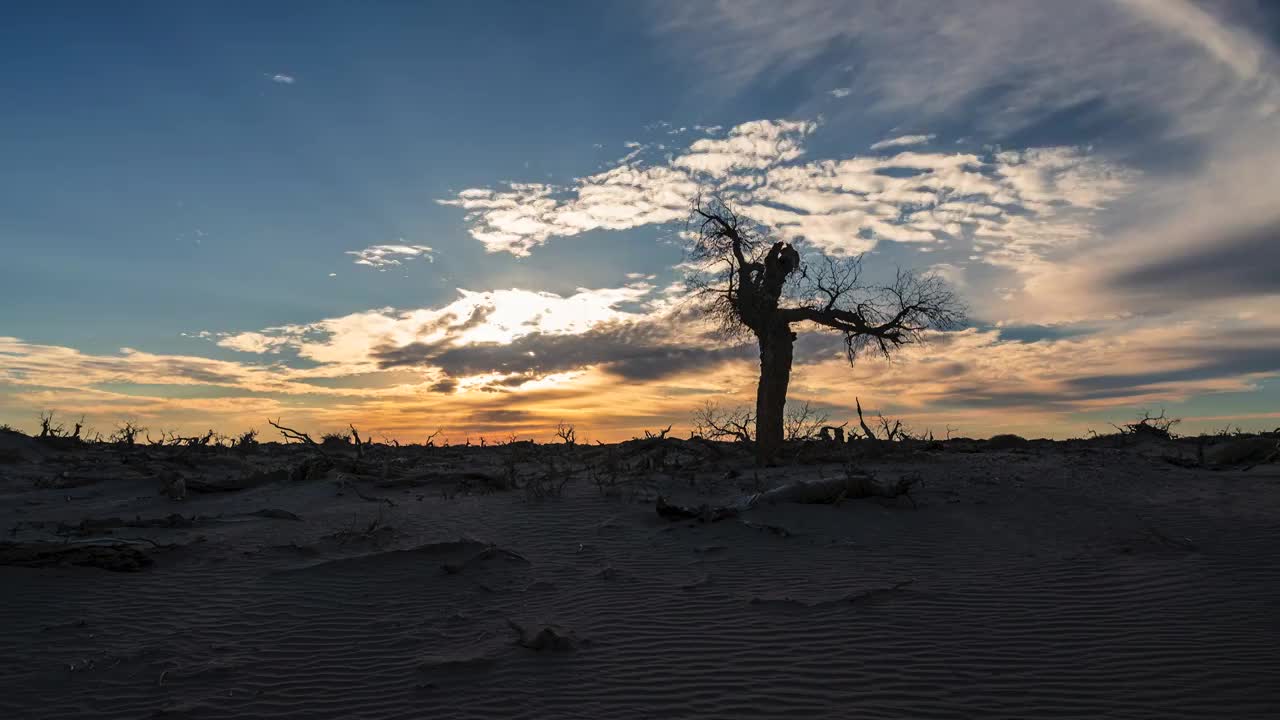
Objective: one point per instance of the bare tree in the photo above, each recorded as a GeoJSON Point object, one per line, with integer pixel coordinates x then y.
{"type": "Point", "coordinates": [752, 286]}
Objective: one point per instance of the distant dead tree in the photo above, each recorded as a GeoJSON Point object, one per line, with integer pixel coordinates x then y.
{"type": "Point", "coordinates": [891, 431]}
{"type": "Point", "coordinates": [567, 433]}
{"type": "Point", "coordinates": [752, 286]}
{"type": "Point", "coordinates": [127, 433]}
{"type": "Point", "coordinates": [48, 428]}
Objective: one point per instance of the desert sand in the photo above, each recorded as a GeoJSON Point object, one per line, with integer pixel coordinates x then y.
{"type": "Point", "coordinates": [1083, 579]}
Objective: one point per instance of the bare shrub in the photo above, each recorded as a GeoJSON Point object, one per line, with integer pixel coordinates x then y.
{"type": "Point", "coordinates": [1152, 426]}
{"type": "Point", "coordinates": [335, 439]}
{"type": "Point", "coordinates": [127, 433]}
{"type": "Point", "coordinates": [553, 474]}
{"type": "Point", "coordinates": [803, 422]}
{"type": "Point", "coordinates": [714, 423]}
{"type": "Point", "coordinates": [659, 435]}
{"type": "Point", "coordinates": [49, 427]}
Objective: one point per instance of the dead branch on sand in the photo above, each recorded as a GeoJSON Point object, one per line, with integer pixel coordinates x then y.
{"type": "Point", "coordinates": [490, 550]}
{"type": "Point", "coordinates": [345, 483]}
{"type": "Point", "coordinates": [291, 435]}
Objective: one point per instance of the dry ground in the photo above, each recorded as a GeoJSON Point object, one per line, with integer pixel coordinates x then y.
{"type": "Point", "coordinates": [1035, 580]}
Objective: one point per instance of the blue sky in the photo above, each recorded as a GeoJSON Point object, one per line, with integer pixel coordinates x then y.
{"type": "Point", "coordinates": [195, 183]}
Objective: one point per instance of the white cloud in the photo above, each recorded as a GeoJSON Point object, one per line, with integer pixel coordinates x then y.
{"type": "Point", "coordinates": [283, 79]}
{"type": "Point", "coordinates": [840, 93]}
{"type": "Point", "coordinates": [752, 145]}
{"type": "Point", "coordinates": [348, 344]}
{"type": "Point", "coordinates": [254, 342]}
{"type": "Point", "coordinates": [902, 141]}
{"type": "Point", "coordinates": [384, 256]}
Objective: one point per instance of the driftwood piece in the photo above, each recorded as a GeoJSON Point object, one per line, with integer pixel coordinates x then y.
{"type": "Point", "coordinates": [704, 513]}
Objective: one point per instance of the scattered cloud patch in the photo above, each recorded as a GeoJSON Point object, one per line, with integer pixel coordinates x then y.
{"type": "Point", "coordinates": [283, 79]}
{"type": "Point", "coordinates": [840, 93]}
{"type": "Point", "coordinates": [1012, 206]}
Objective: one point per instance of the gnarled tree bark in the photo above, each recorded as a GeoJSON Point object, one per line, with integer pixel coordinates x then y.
{"type": "Point", "coordinates": [777, 349]}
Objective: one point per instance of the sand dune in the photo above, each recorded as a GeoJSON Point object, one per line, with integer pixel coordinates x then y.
{"type": "Point", "coordinates": [1026, 583]}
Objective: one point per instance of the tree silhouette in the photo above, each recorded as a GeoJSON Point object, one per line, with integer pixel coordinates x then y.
{"type": "Point", "coordinates": [749, 285]}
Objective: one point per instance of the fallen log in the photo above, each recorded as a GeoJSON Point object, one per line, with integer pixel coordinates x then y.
{"type": "Point", "coordinates": [830, 491]}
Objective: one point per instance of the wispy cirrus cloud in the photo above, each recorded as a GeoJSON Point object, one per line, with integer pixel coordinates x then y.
{"type": "Point", "coordinates": [902, 141]}
{"type": "Point", "coordinates": [1023, 63]}
{"type": "Point", "coordinates": [385, 256]}
{"type": "Point", "coordinates": [282, 79]}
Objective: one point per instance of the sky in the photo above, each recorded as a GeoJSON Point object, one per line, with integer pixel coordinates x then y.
{"type": "Point", "coordinates": [470, 216]}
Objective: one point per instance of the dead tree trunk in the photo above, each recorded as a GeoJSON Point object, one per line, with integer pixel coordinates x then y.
{"type": "Point", "coordinates": [777, 345]}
